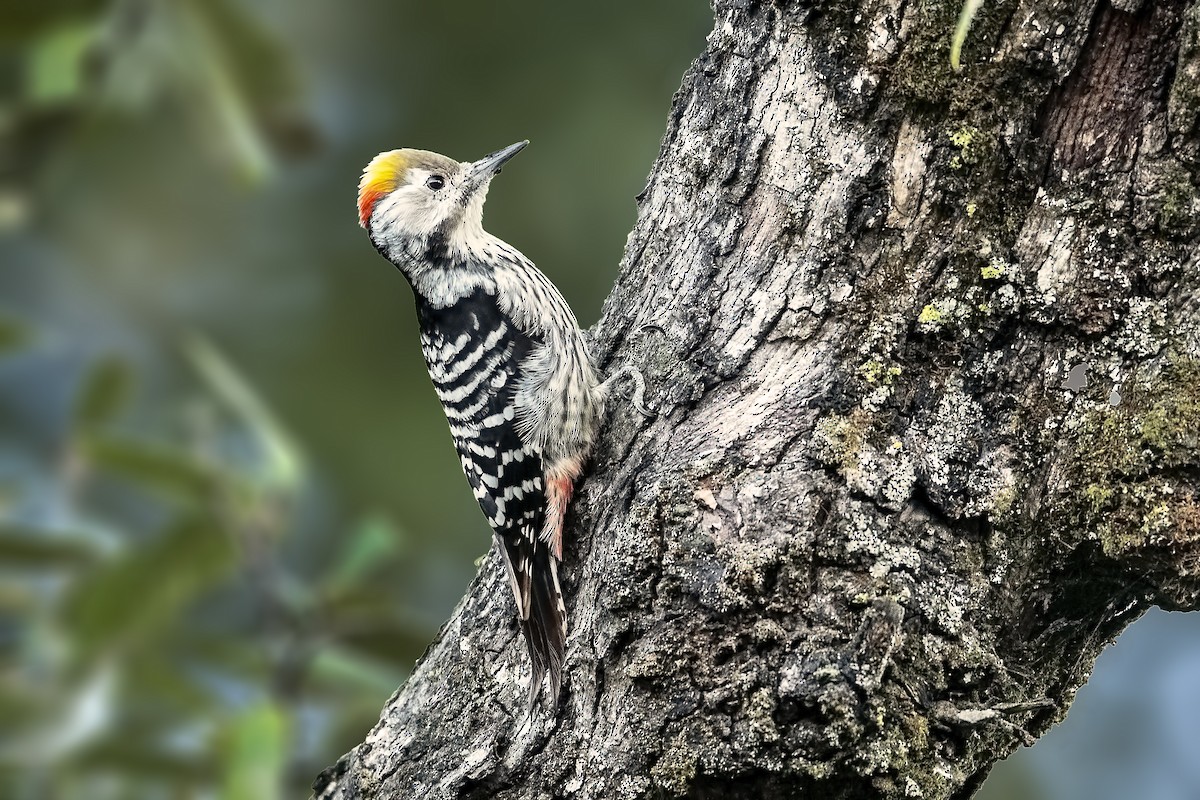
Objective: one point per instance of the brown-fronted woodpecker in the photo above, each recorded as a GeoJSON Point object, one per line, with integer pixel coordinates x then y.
{"type": "Point", "coordinates": [509, 364]}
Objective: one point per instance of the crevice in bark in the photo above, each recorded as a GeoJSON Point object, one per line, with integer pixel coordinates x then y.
{"type": "Point", "coordinates": [1126, 70]}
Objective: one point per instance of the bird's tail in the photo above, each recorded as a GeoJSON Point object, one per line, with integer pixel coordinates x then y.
{"type": "Point", "coordinates": [533, 574]}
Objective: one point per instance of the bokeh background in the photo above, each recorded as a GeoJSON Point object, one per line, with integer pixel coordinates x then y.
{"type": "Point", "coordinates": [230, 514]}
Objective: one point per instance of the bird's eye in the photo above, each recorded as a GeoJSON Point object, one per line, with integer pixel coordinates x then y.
{"type": "Point", "coordinates": [435, 182]}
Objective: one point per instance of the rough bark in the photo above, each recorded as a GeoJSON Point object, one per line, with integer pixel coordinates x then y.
{"type": "Point", "coordinates": [927, 351]}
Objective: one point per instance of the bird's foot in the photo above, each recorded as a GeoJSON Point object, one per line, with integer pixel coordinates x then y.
{"type": "Point", "coordinates": [639, 387]}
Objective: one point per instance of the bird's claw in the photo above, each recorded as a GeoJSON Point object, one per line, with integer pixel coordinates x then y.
{"type": "Point", "coordinates": [638, 398]}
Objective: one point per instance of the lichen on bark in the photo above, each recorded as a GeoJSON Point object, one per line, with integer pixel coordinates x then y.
{"type": "Point", "coordinates": [926, 350]}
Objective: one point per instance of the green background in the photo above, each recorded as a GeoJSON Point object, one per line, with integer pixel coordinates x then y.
{"type": "Point", "coordinates": [230, 514]}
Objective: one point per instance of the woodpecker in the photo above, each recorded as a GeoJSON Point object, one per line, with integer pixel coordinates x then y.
{"type": "Point", "coordinates": [509, 364]}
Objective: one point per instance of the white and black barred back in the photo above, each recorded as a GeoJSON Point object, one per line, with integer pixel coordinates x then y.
{"type": "Point", "coordinates": [510, 392]}
{"type": "Point", "coordinates": [474, 353]}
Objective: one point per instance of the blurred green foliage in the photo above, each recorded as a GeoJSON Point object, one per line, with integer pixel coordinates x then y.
{"type": "Point", "coordinates": [170, 646]}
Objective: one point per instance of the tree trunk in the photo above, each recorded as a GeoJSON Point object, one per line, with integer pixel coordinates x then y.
{"type": "Point", "coordinates": [926, 346]}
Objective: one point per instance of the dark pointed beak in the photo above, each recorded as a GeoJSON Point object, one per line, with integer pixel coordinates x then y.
{"type": "Point", "coordinates": [482, 170]}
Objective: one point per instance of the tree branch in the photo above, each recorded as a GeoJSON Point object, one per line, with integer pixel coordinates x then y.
{"type": "Point", "coordinates": [927, 347]}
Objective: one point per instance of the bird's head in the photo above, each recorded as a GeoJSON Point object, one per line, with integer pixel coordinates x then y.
{"type": "Point", "coordinates": [409, 196]}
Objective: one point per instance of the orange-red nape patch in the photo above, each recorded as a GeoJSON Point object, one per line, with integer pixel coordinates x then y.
{"type": "Point", "coordinates": [381, 176]}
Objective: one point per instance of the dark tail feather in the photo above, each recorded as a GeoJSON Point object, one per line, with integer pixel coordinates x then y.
{"type": "Point", "coordinates": [547, 628]}
{"type": "Point", "coordinates": [533, 573]}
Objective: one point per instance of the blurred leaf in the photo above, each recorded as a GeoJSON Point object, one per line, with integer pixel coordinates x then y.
{"type": "Point", "coordinates": [263, 72]}
{"type": "Point", "coordinates": [374, 542]}
{"type": "Point", "coordinates": [284, 465]}
{"type": "Point", "coordinates": [104, 392]}
{"type": "Point", "coordinates": [230, 108]}
{"type": "Point", "coordinates": [341, 668]}
{"type": "Point", "coordinates": [77, 715]}
{"type": "Point", "coordinates": [30, 548]}
{"type": "Point", "coordinates": [264, 68]}
{"type": "Point", "coordinates": [13, 335]}
{"type": "Point", "coordinates": [149, 587]}
{"type": "Point", "coordinates": [256, 754]}
{"type": "Point", "coordinates": [293, 593]}
{"type": "Point", "coordinates": [140, 752]}
{"type": "Point", "coordinates": [154, 466]}
{"type": "Point", "coordinates": [137, 58]}
{"type": "Point", "coordinates": [55, 67]}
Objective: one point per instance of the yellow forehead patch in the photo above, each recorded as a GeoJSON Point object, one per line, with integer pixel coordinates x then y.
{"type": "Point", "coordinates": [381, 176]}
